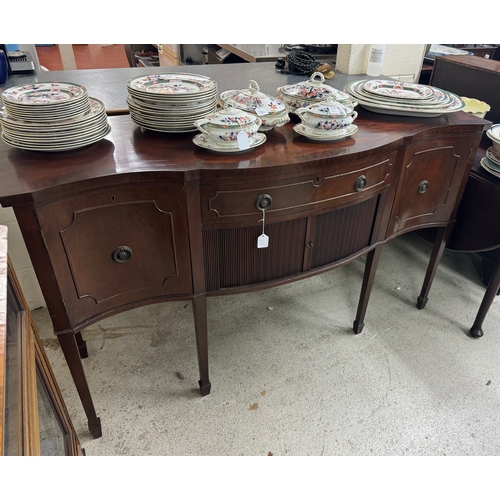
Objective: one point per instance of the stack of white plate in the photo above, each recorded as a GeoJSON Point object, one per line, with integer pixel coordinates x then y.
{"type": "Point", "coordinates": [171, 102]}
{"type": "Point", "coordinates": [54, 116]}
{"type": "Point", "coordinates": [404, 99]}
{"type": "Point", "coordinates": [491, 162]}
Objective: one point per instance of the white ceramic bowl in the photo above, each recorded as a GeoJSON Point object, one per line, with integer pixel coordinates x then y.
{"type": "Point", "coordinates": [494, 134]}
{"type": "Point", "coordinates": [326, 116]}
{"type": "Point", "coordinates": [303, 94]}
{"type": "Point", "coordinates": [222, 128]}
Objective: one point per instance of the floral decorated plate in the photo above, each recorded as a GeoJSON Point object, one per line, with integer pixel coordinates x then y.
{"type": "Point", "coordinates": [96, 109]}
{"type": "Point", "coordinates": [50, 93]}
{"type": "Point", "coordinates": [85, 141]}
{"type": "Point", "coordinates": [172, 84]}
{"type": "Point", "coordinates": [335, 135]}
{"type": "Point", "coordinates": [398, 90]}
{"type": "Point", "coordinates": [493, 155]}
{"type": "Point", "coordinates": [200, 140]}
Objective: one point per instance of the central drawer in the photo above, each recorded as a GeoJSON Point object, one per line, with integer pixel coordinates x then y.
{"type": "Point", "coordinates": [227, 202]}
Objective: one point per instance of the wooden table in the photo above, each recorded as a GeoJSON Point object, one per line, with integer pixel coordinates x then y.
{"type": "Point", "coordinates": [143, 217]}
{"type": "Point", "coordinates": [477, 230]}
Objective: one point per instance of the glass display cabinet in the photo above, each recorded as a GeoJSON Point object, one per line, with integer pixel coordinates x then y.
{"type": "Point", "coordinates": [34, 419]}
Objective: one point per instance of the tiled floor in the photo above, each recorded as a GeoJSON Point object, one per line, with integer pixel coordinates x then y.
{"type": "Point", "coordinates": [289, 377]}
{"type": "Point", "coordinates": [87, 56]}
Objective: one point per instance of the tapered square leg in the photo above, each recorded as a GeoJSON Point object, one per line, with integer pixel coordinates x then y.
{"type": "Point", "coordinates": [72, 354]}
{"type": "Point", "coordinates": [437, 253]}
{"type": "Point", "coordinates": [372, 261]}
{"type": "Point", "coordinates": [82, 345]}
{"type": "Point", "coordinates": [491, 291]}
{"type": "Point", "coordinates": [200, 325]}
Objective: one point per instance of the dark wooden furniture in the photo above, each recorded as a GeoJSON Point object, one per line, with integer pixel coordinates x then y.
{"type": "Point", "coordinates": [477, 50]}
{"type": "Point", "coordinates": [33, 417]}
{"type": "Point", "coordinates": [486, 52]}
{"type": "Point", "coordinates": [142, 217]}
{"type": "Point", "coordinates": [470, 76]}
{"type": "Point", "coordinates": [476, 229]}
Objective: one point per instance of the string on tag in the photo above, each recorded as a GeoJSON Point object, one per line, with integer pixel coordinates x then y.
{"type": "Point", "coordinates": [263, 239]}
{"type": "Point", "coordinates": [242, 138]}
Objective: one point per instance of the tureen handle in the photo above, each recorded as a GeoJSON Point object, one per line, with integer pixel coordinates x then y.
{"type": "Point", "coordinates": [317, 75]}
{"type": "Point", "coordinates": [199, 125]}
{"type": "Point", "coordinates": [253, 86]}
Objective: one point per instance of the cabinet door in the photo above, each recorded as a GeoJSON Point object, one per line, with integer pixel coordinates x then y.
{"type": "Point", "coordinates": [430, 180]}
{"type": "Point", "coordinates": [118, 246]}
{"type": "Point", "coordinates": [232, 258]}
{"type": "Point", "coordinates": [33, 417]}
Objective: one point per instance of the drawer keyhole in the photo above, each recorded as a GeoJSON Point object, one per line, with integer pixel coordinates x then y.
{"type": "Point", "coordinates": [263, 202]}
{"type": "Point", "coordinates": [423, 187]}
{"type": "Point", "coordinates": [122, 254]}
{"type": "Point", "coordinates": [360, 183]}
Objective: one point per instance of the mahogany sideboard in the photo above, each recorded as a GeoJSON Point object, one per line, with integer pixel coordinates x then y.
{"type": "Point", "coordinates": [143, 217]}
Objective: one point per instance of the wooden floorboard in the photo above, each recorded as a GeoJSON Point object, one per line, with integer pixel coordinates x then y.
{"type": "Point", "coordinates": [87, 56]}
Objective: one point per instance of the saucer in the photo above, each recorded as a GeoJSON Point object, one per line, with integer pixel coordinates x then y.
{"type": "Point", "coordinates": [493, 155]}
{"type": "Point", "coordinates": [257, 140]}
{"type": "Point", "coordinates": [489, 168]}
{"type": "Point", "coordinates": [334, 136]}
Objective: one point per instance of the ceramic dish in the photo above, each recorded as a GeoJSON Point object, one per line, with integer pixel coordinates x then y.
{"type": "Point", "coordinates": [255, 141]}
{"type": "Point", "coordinates": [224, 126]}
{"type": "Point", "coordinates": [326, 116]}
{"type": "Point", "coordinates": [440, 97]}
{"type": "Point", "coordinates": [494, 134]}
{"type": "Point", "coordinates": [96, 109]}
{"type": "Point", "coordinates": [44, 94]}
{"type": "Point", "coordinates": [336, 135]}
{"type": "Point", "coordinates": [475, 106]}
{"type": "Point", "coordinates": [57, 147]}
{"type": "Point", "coordinates": [489, 168]}
{"type": "Point", "coordinates": [442, 102]}
{"type": "Point", "coordinates": [172, 84]}
{"type": "Point", "coordinates": [171, 102]}
{"type": "Point", "coordinates": [303, 94]}
{"type": "Point", "coordinates": [493, 155]}
{"type": "Point", "coordinates": [272, 111]}
{"type": "Point", "coordinates": [400, 90]}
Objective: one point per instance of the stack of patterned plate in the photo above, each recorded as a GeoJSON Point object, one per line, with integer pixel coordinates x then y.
{"type": "Point", "coordinates": [171, 102]}
{"type": "Point", "coordinates": [54, 116]}
{"type": "Point", "coordinates": [404, 99]}
{"type": "Point", "coordinates": [491, 162]}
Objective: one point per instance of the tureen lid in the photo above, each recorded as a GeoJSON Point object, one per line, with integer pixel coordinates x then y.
{"type": "Point", "coordinates": [252, 99]}
{"type": "Point", "coordinates": [230, 116]}
{"type": "Point", "coordinates": [330, 107]}
{"type": "Point", "coordinates": [313, 90]}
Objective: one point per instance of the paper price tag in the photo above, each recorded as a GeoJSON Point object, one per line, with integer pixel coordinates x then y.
{"type": "Point", "coordinates": [263, 241]}
{"type": "Point", "coordinates": [261, 111]}
{"type": "Point", "coordinates": [243, 141]}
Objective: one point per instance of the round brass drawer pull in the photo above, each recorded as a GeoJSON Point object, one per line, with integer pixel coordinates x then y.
{"type": "Point", "coordinates": [122, 254]}
{"type": "Point", "coordinates": [263, 202]}
{"type": "Point", "coordinates": [361, 183]}
{"type": "Point", "coordinates": [423, 187]}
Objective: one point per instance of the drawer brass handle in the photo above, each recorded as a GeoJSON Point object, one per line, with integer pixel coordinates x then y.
{"type": "Point", "coordinates": [423, 187]}
{"type": "Point", "coordinates": [122, 254]}
{"type": "Point", "coordinates": [263, 202]}
{"type": "Point", "coordinates": [360, 183]}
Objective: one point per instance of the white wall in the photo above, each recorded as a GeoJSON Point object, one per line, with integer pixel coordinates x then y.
{"type": "Point", "coordinates": [21, 260]}
{"type": "Point", "coordinates": [401, 62]}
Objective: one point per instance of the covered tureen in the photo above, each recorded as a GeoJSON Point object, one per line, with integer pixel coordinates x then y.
{"type": "Point", "coordinates": [224, 129]}
{"type": "Point", "coordinates": [303, 94]}
{"type": "Point", "coordinates": [272, 111]}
